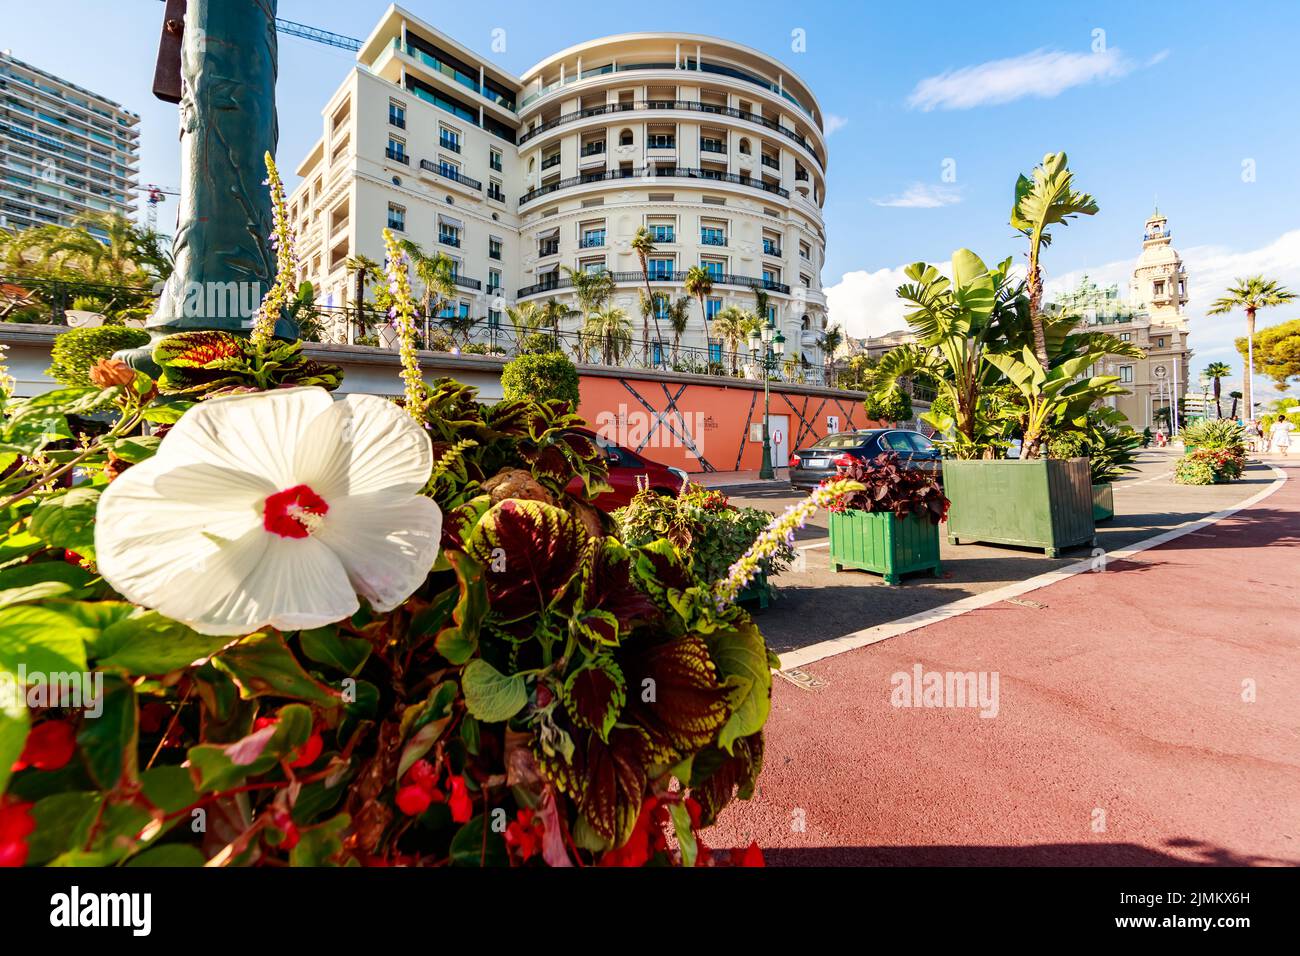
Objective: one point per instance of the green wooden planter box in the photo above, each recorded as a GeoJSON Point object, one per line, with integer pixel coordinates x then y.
{"type": "Point", "coordinates": [1188, 449]}
{"type": "Point", "coordinates": [884, 544]}
{"type": "Point", "coordinates": [1103, 502]}
{"type": "Point", "coordinates": [756, 590]}
{"type": "Point", "coordinates": [1041, 503]}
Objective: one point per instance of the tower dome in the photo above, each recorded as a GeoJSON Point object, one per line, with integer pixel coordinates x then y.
{"type": "Point", "coordinates": [1159, 282]}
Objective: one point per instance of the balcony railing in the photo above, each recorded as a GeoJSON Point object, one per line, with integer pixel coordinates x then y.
{"type": "Point", "coordinates": [769, 162]}
{"type": "Point", "coordinates": [449, 173]}
{"type": "Point", "coordinates": [748, 282]}
{"type": "Point", "coordinates": [449, 144]}
{"type": "Point", "coordinates": [396, 120]}
{"type": "Point", "coordinates": [771, 249]}
{"type": "Point", "coordinates": [397, 157]}
{"type": "Point", "coordinates": [593, 149]}
{"type": "Point", "coordinates": [550, 161]}
{"type": "Point", "coordinates": [495, 192]}
{"type": "Point", "coordinates": [592, 242]}
{"type": "Point", "coordinates": [654, 172]}
{"type": "Point", "coordinates": [465, 282]}
{"type": "Point", "coordinates": [447, 239]}
{"type": "Point", "coordinates": [686, 105]}
{"type": "Point", "coordinates": [710, 240]}
{"type": "Point", "coordinates": [712, 146]}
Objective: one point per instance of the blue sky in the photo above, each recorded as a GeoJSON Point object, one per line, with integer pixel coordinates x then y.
{"type": "Point", "coordinates": [1169, 100]}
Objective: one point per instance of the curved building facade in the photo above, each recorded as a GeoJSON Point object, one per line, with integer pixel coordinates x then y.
{"type": "Point", "coordinates": [716, 149]}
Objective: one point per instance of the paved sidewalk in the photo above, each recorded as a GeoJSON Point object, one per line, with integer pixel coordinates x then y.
{"type": "Point", "coordinates": [1122, 733]}
{"type": "Point", "coordinates": [738, 479]}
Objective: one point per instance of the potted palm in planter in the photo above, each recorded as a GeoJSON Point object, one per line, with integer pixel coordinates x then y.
{"type": "Point", "coordinates": [891, 527]}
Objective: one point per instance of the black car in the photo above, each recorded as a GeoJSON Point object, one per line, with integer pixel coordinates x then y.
{"type": "Point", "coordinates": [808, 466]}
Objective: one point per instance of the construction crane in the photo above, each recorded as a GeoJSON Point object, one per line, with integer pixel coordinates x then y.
{"type": "Point", "coordinates": [289, 28]}
{"type": "Point", "coordinates": [156, 194]}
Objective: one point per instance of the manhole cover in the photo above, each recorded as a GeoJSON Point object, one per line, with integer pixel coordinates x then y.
{"type": "Point", "coordinates": [802, 679]}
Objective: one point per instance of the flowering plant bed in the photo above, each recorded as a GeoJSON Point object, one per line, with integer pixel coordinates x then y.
{"type": "Point", "coordinates": [704, 524]}
{"type": "Point", "coordinates": [1210, 466]}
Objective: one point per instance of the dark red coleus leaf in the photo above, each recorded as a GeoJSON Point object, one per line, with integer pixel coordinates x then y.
{"type": "Point", "coordinates": [675, 695]}
{"type": "Point", "coordinates": [530, 552]}
{"type": "Point", "coordinates": [614, 781]}
{"type": "Point", "coordinates": [595, 694]}
{"type": "Point", "coordinates": [716, 775]}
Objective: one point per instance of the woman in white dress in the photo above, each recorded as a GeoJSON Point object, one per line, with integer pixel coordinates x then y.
{"type": "Point", "coordinates": [1279, 436]}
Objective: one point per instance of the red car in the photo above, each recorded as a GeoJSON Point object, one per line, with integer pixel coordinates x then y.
{"type": "Point", "coordinates": [625, 467]}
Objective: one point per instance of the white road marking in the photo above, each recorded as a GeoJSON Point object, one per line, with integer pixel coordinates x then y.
{"type": "Point", "coordinates": [1144, 481]}
{"type": "Point", "coordinates": [882, 632]}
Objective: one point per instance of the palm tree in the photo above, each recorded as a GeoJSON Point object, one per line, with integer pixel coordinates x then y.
{"type": "Point", "coordinates": [732, 325]}
{"type": "Point", "coordinates": [1236, 397]}
{"type": "Point", "coordinates": [362, 269]}
{"type": "Point", "coordinates": [1216, 371]}
{"type": "Point", "coordinates": [1049, 198]}
{"type": "Point", "coordinates": [1251, 294]}
{"type": "Point", "coordinates": [678, 313]}
{"type": "Point", "coordinates": [831, 341]}
{"type": "Point", "coordinates": [437, 273]}
{"type": "Point", "coordinates": [643, 245]}
{"type": "Point", "coordinates": [609, 331]}
{"type": "Point", "coordinates": [699, 283]}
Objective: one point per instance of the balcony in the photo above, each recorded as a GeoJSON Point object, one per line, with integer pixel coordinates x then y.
{"type": "Point", "coordinates": [771, 249]}
{"type": "Point", "coordinates": [639, 278]}
{"type": "Point", "coordinates": [592, 242]}
{"type": "Point", "coordinates": [713, 146]}
{"type": "Point", "coordinates": [663, 234]}
{"type": "Point", "coordinates": [449, 239]}
{"type": "Point", "coordinates": [661, 142]}
{"type": "Point", "coordinates": [494, 192]}
{"type": "Point", "coordinates": [447, 143]}
{"type": "Point", "coordinates": [712, 239]}
{"type": "Point", "coordinates": [398, 157]}
{"type": "Point", "coordinates": [397, 120]}
{"type": "Point", "coordinates": [551, 161]}
{"type": "Point", "coordinates": [770, 162]}
{"type": "Point", "coordinates": [653, 172]}
{"type": "Point", "coordinates": [446, 172]}
{"type": "Point", "coordinates": [467, 283]}
{"type": "Point", "coordinates": [548, 249]}
{"type": "Point", "coordinates": [684, 105]}
{"type": "Point", "coordinates": [593, 149]}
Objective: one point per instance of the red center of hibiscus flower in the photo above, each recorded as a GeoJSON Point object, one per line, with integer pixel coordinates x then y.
{"type": "Point", "coordinates": [294, 512]}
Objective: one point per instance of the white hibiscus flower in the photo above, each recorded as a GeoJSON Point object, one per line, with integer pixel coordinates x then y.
{"type": "Point", "coordinates": [273, 508]}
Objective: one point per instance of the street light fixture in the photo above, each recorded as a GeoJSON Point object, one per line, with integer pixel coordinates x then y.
{"type": "Point", "coordinates": [771, 343]}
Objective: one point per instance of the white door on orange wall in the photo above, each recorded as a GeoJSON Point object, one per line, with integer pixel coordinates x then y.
{"type": "Point", "coordinates": [778, 427]}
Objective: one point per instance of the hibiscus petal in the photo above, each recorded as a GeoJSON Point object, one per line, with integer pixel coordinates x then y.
{"type": "Point", "coordinates": [363, 444]}
{"type": "Point", "coordinates": [386, 545]}
{"type": "Point", "coordinates": [257, 432]}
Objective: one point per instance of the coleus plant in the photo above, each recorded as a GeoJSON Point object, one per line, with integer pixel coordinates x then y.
{"type": "Point", "coordinates": [889, 485]}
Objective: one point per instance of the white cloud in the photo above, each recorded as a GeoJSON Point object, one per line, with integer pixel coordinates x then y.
{"type": "Point", "coordinates": [864, 302]}
{"type": "Point", "coordinates": [923, 196]}
{"type": "Point", "coordinates": [1042, 74]}
{"type": "Point", "coordinates": [832, 124]}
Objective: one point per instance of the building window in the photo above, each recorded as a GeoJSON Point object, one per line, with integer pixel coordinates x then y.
{"type": "Point", "coordinates": [1126, 336]}
{"type": "Point", "coordinates": [494, 159]}
{"type": "Point", "coordinates": [593, 238]}
{"type": "Point", "coordinates": [744, 147]}
{"type": "Point", "coordinates": [448, 234]}
{"type": "Point", "coordinates": [715, 350]}
{"type": "Point", "coordinates": [625, 138]}
{"type": "Point", "coordinates": [1126, 374]}
{"type": "Point", "coordinates": [397, 150]}
{"type": "Point", "coordinates": [494, 281]}
{"type": "Point", "coordinates": [712, 307]}
{"type": "Point", "coordinates": [662, 234]}
{"type": "Point", "coordinates": [1160, 342]}
{"type": "Point", "coordinates": [771, 277]}
{"type": "Point", "coordinates": [771, 247]}
{"type": "Point", "coordinates": [494, 191]}
{"type": "Point", "coordinates": [494, 320]}
{"type": "Point", "coordinates": [397, 114]}
{"type": "Point", "coordinates": [449, 139]}
{"type": "Point", "coordinates": [715, 268]}
{"type": "Point", "coordinates": [396, 217]}
{"type": "Point", "coordinates": [593, 266]}
{"type": "Point", "coordinates": [805, 251]}
{"type": "Point", "coordinates": [549, 247]}
{"type": "Point", "coordinates": [660, 268]}
{"type": "Point", "coordinates": [661, 141]}
{"type": "Point", "coordinates": [658, 353]}
{"type": "Point", "coordinates": [713, 236]}
{"type": "Point", "coordinates": [494, 248]}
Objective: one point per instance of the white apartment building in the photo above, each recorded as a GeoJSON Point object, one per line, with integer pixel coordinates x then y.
{"type": "Point", "coordinates": [64, 151]}
{"type": "Point", "coordinates": [717, 149]}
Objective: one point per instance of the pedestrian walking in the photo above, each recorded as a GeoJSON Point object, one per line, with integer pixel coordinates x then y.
{"type": "Point", "coordinates": [1161, 441]}
{"type": "Point", "coordinates": [1279, 436]}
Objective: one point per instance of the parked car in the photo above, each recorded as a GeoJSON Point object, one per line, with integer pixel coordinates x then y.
{"type": "Point", "coordinates": [808, 466]}
{"type": "Point", "coordinates": [625, 467]}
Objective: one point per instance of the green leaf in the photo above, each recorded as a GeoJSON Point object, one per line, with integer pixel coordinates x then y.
{"type": "Point", "coordinates": [14, 724]}
{"type": "Point", "coordinates": [169, 855]}
{"type": "Point", "coordinates": [168, 788]}
{"type": "Point", "coordinates": [685, 835]}
{"type": "Point", "coordinates": [325, 645]}
{"type": "Point", "coordinates": [263, 665]}
{"type": "Point", "coordinates": [167, 411]}
{"type": "Point", "coordinates": [491, 696]}
{"type": "Point", "coordinates": [468, 847]}
{"type": "Point", "coordinates": [458, 642]}
{"type": "Point", "coordinates": [47, 638]}
{"type": "Point", "coordinates": [318, 844]}
{"type": "Point", "coordinates": [221, 766]}
{"type": "Point", "coordinates": [110, 742]}
{"type": "Point", "coordinates": [45, 579]}
{"type": "Point", "coordinates": [57, 822]}
{"type": "Point", "coordinates": [741, 658]}
{"type": "Point", "coordinates": [137, 448]}
{"type": "Point", "coordinates": [145, 642]}
{"type": "Point", "coordinates": [67, 520]}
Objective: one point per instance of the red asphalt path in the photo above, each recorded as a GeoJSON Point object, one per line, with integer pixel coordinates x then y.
{"type": "Point", "coordinates": [1121, 738]}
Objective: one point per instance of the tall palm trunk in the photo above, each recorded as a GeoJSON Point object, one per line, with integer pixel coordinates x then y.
{"type": "Point", "coordinates": [1035, 289]}
{"type": "Point", "coordinates": [1218, 405]}
{"type": "Point", "coordinates": [1249, 386]}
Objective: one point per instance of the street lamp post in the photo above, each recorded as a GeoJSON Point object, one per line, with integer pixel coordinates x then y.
{"type": "Point", "coordinates": [771, 343]}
